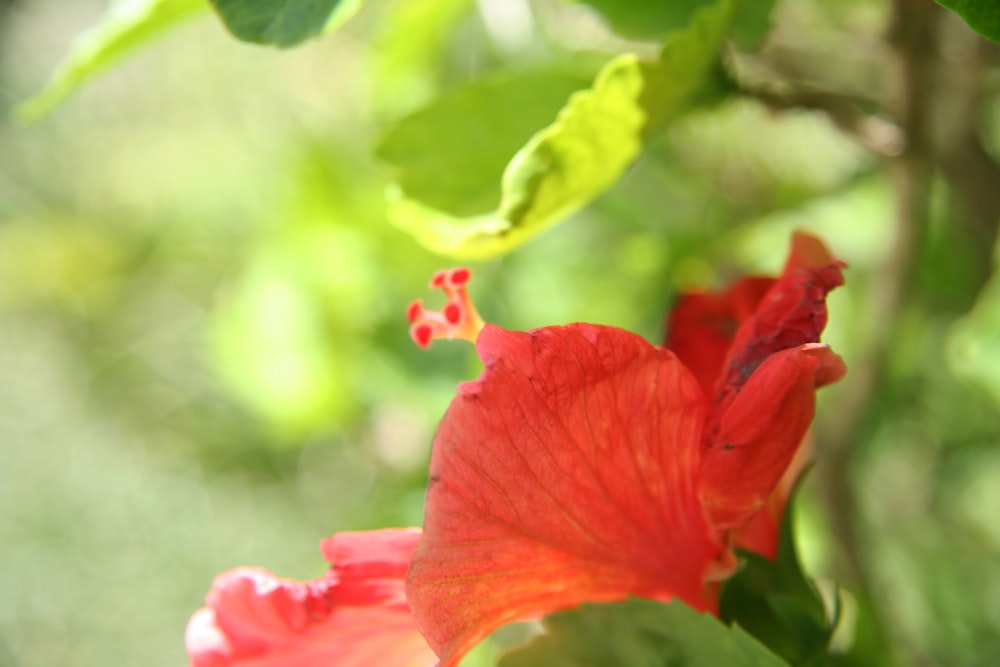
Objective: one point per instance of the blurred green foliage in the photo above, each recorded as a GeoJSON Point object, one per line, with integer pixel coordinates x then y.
{"type": "Point", "coordinates": [204, 355]}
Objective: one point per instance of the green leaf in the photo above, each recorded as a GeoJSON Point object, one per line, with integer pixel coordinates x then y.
{"type": "Point", "coordinates": [283, 22]}
{"type": "Point", "coordinates": [126, 27]}
{"type": "Point", "coordinates": [639, 633]}
{"type": "Point", "coordinates": [777, 604]}
{"type": "Point", "coordinates": [647, 19]}
{"type": "Point", "coordinates": [983, 16]}
{"type": "Point", "coordinates": [452, 154]}
{"type": "Point", "coordinates": [655, 19]}
{"type": "Point", "coordinates": [593, 140]}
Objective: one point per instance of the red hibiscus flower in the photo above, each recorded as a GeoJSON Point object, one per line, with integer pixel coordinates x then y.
{"type": "Point", "coordinates": [586, 464]}
{"type": "Point", "coordinates": [355, 615]}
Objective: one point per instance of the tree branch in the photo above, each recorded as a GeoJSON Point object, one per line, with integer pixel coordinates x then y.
{"type": "Point", "coordinates": [880, 135]}
{"type": "Point", "coordinates": [912, 40]}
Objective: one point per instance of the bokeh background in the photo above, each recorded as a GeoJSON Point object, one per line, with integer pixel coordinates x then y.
{"type": "Point", "coordinates": [204, 360]}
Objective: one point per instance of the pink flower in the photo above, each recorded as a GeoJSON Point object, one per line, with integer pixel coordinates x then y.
{"type": "Point", "coordinates": [355, 615]}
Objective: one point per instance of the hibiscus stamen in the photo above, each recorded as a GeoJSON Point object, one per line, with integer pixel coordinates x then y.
{"type": "Point", "coordinates": [458, 318]}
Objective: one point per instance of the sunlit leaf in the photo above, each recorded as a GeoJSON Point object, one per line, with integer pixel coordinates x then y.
{"type": "Point", "coordinates": [283, 22]}
{"type": "Point", "coordinates": [640, 632]}
{"type": "Point", "coordinates": [983, 16]}
{"type": "Point", "coordinates": [126, 27]}
{"type": "Point", "coordinates": [595, 137]}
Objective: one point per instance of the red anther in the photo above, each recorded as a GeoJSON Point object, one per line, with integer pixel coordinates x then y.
{"type": "Point", "coordinates": [421, 334]}
{"type": "Point", "coordinates": [413, 310]}
{"type": "Point", "coordinates": [458, 318]}
{"type": "Point", "coordinates": [452, 313]}
{"type": "Point", "coordinates": [458, 277]}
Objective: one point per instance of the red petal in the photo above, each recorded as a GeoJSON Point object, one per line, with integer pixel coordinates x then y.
{"type": "Point", "coordinates": [792, 313]}
{"type": "Point", "coordinates": [356, 615]}
{"type": "Point", "coordinates": [564, 474]}
{"type": "Point", "coordinates": [755, 438]}
{"type": "Point", "coordinates": [369, 557]}
{"type": "Point", "coordinates": [763, 532]}
{"type": "Point", "coordinates": [701, 326]}
{"type": "Point", "coordinates": [808, 252]}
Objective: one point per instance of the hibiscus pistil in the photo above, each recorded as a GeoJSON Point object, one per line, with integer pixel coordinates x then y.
{"type": "Point", "coordinates": [457, 319]}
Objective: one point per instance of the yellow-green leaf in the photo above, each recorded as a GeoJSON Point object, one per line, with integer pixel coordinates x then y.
{"type": "Point", "coordinates": [593, 140]}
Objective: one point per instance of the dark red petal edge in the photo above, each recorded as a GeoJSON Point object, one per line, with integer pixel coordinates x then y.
{"type": "Point", "coordinates": [701, 326]}
{"type": "Point", "coordinates": [792, 313]}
